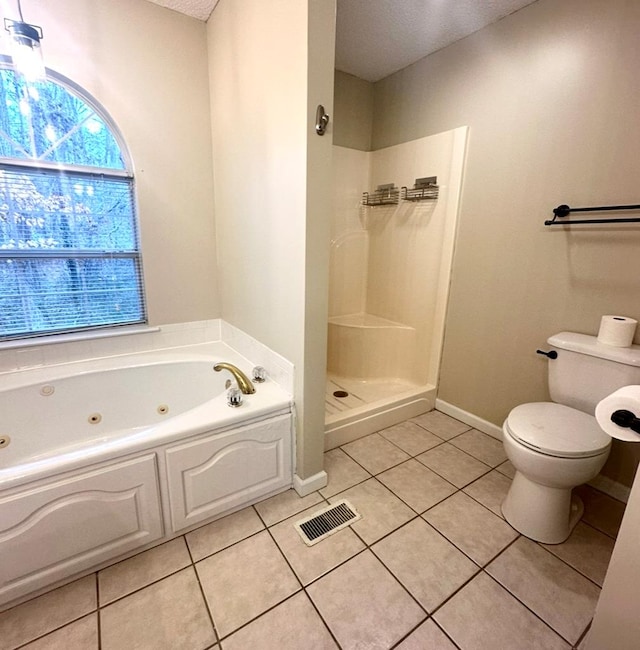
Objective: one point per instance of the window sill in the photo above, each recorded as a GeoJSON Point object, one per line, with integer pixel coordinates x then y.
{"type": "Point", "coordinates": [78, 336]}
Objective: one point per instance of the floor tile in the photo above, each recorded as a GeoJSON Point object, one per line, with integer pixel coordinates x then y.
{"type": "Point", "coordinates": [427, 637]}
{"type": "Point", "coordinates": [555, 592]}
{"type": "Point", "coordinates": [219, 534]}
{"type": "Point", "coordinates": [375, 453]}
{"type": "Point", "coordinates": [411, 437]}
{"type": "Point", "coordinates": [244, 580]}
{"type": "Point", "coordinates": [507, 469]}
{"type": "Point", "coordinates": [442, 425]}
{"type": "Point", "coordinates": [481, 446]}
{"type": "Point", "coordinates": [292, 625]}
{"type": "Point", "coordinates": [170, 614]}
{"type": "Point", "coordinates": [429, 566]}
{"type": "Point", "coordinates": [490, 490]}
{"type": "Point", "coordinates": [363, 604]}
{"type": "Point", "coordinates": [587, 550]}
{"type": "Point", "coordinates": [416, 485]}
{"type": "Point", "coordinates": [456, 466]}
{"type": "Point", "coordinates": [381, 510]}
{"type": "Point", "coordinates": [140, 570]}
{"type": "Point", "coordinates": [44, 614]}
{"type": "Point", "coordinates": [600, 510]}
{"type": "Point", "coordinates": [285, 505]}
{"type": "Point", "coordinates": [471, 527]}
{"type": "Point", "coordinates": [342, 471]}
{"type": "Point", "coordinates": [484, 616]}
{"type": "Point", "coordinates": [82, 634]}
{"type": "Point", "coordinates": [310, 562]}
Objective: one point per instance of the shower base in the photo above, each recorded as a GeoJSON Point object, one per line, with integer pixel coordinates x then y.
{"type": "Point", "coordinates": [371, 405]}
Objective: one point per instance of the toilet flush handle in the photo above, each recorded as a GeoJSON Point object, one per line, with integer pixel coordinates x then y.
{"type": "Point", "coordinates": [552, 354]}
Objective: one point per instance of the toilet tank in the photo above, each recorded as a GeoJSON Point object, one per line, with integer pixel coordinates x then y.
{"type": "Point", "coordinates": [586, 371]}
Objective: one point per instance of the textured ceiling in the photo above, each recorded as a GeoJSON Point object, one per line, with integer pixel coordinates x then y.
{"type": "Point", "coordinates": [378, 37]}
{"type": "Point", "coordinates": [200, 9]}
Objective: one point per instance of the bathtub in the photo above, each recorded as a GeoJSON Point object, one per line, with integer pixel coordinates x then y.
{"type": "Point", "coordinates": [102, 458]}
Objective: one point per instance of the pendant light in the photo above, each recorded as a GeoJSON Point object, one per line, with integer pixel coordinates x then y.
{"type": "Point", "coordinates": [25, 48]}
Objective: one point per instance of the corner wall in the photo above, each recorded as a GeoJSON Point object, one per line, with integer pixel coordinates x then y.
{"type": "Point", "coordinates": [551, 96]}
{"type": "Point", "coordinates": [270, 65]}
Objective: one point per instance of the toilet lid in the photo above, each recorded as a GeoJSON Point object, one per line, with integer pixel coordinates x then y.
{"type": "Point", "coordinates": [557, 430]}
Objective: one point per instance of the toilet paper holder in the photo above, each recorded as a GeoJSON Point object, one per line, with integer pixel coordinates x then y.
{"type": "Point", "coordinates": [626, 420]}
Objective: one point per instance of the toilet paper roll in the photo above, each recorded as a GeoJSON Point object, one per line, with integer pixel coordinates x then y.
{"type": "Point", "coordinates": [617, 331]}
{"type": "Point", "coordinates": [624, 399]}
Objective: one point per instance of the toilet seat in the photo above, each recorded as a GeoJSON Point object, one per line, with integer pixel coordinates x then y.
{"type": "Point", "coordinates": [556, 430]}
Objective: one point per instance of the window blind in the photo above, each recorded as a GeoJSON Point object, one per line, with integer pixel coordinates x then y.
{"type": "Point", "coordinates": [69, 251]}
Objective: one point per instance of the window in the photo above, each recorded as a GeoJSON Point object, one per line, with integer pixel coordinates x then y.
{"type": "Point", "coordinates": [69, 252]}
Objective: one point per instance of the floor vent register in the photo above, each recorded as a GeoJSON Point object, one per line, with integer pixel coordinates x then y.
{"type": "Point", "coordinates": [327, 521]}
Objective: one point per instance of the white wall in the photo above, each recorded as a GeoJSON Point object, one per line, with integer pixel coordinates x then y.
{"type": "Point", "coordinates": [616, 623]}
{"type": "Point", "coordinates": [269, 166]}
{"type": "Point", "coordinates": [148, 67]}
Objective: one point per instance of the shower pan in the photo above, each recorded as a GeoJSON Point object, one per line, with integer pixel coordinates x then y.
{"type": "Point", "coordinates": [390, 269]}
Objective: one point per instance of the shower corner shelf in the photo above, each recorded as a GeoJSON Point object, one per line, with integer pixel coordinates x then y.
{"type": "Point", "coordinates": [424, 189]}
{"type": "Point", "coordinates": [387, 194]}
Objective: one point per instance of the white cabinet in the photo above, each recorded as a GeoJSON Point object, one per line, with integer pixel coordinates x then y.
{"type": "Point", "coordinates": [215, 473]}
{"type": "Point", "coordinates": [57, 528]}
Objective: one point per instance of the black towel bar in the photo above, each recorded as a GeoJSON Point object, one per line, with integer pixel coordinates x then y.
{"type": "Point", "coordinates": [564, 210]}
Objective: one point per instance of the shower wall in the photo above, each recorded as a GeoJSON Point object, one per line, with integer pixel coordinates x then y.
{"type": "Point", "coordinates": [390, 265]}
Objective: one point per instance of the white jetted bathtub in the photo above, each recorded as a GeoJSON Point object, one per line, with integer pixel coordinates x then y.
{"type": "Point", "coordinates": [102, 458]}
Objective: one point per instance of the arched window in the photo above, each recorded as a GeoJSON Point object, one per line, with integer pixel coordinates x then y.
{"type": "Point", "coordinates": [69, 251]}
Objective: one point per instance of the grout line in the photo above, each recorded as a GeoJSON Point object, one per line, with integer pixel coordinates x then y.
{"type": "Point", "coordinates": [614, 538]}
{"type": "Point", "coordinates": [202, 593]}
{"type": "Point", "coordinates": [255, 618]}
{"type": "Point", "coordinates": [568, 564]}
{"type": "Point", "coordinates": [445, 633]}
{"type": "Point", "coordinates": [98, 617]}
{"type": "Point", "coordinates": [224, 548]}
{"type": "Point", "coordinates": [556, 632]}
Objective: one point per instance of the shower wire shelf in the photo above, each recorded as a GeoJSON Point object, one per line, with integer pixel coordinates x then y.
{"type": "Point", "coordinates": [424, 189]}
{"type": "Point", "coordinates": [387, 194]}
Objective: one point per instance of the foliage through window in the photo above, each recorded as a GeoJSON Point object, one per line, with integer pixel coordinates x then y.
{"type": "Point", "coordinates": [69, 253]}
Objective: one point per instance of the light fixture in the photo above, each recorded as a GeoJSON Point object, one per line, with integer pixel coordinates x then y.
{"type": "Point", "coordinates": [25, 48]}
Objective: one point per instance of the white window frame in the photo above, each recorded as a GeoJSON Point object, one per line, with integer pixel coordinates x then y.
{"type": "Point", "coordinates": [86, 331]}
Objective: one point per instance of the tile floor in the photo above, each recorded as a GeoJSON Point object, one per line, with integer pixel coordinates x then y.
{"type": "Point", "coordinates": [431, 565]}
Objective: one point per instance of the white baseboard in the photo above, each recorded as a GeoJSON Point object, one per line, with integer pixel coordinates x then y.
{"type": "Point", "coordinates": [600, 482]}
{"type": "Point", "coordinates": [472, 420]}
{"type": "Point", "coordinates": [611, 487]}
{"type": "Point", "coordinates": [304, 486]}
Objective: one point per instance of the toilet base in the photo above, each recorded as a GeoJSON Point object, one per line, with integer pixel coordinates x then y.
{"type": "Point", "coordinates": [544, 514]}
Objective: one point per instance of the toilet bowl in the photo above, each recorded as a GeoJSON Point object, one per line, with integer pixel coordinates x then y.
{"type": "Point", "coordinates": [553, 448]}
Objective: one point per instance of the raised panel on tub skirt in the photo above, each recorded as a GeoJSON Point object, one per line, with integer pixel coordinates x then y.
{"type": "Point", "coordinates": [218, 472]}
{"type": "Point", "coordinates": [55, 529]}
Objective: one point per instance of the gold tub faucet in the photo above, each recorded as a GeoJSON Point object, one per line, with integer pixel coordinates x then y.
{"type": "Point", "coordinates": [244, 383]}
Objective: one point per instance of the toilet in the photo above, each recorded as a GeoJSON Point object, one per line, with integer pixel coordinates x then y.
{"type": "Point", "coordinates": [556, 446]}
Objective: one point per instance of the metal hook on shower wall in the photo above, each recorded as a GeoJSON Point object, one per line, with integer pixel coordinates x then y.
{"type": "Point", "coordinates": [322, 119]}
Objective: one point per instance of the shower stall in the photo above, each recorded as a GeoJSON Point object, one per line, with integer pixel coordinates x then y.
{"type": "Point", "coordinates": [390, 267]}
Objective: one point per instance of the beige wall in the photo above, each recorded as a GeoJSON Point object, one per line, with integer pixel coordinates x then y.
{"type": "Point", "coordinates": [353, 107]}
{"type": "Point", "coordinates": [267, 74]}
{"type": "Point", "coordinates": [148, 67]}
{"type": "Point", "coordinates": [551, 96]}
